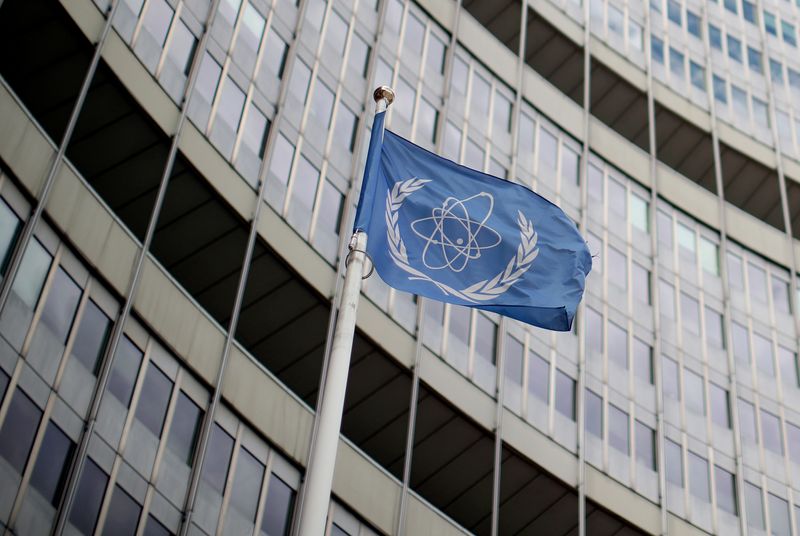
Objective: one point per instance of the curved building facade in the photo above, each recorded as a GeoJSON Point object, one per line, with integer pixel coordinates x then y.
{"type": "Point", "coordinates": [178, 179]}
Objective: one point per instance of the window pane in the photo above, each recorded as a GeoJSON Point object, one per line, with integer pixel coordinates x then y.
{"type": "Point", "coordinates": [274, 58]}
{"type": "Point", "coordinates": [218, 456]}
{"type": "Point", "coordinates": [322, 104]}
{"type": "Point", "coordinates": [709, 256]}
{"type": "Point", "coordinates": [714, 328]}
{"type": "Point", "coordinates": [771, 430]}
{"type": "Point", "coordinates": [640, 213]}
{"type": "Point", "coordinates": [502, 113]}
{"type": "Point", "coordinates": [154, 399]}
{"type": "Point", "coordinates": [690, 314]}
{"type": "Point", "coordinates": [9, 228]}
{"type": "Point", "coordinates": [757, 278]}
{"type": "Point", "coordinates": [126, 368]}
{"type": "Point", "coordinates": [725, 485]}
{"type": "Point", "coordinates": [154, 528]}
{"type": "Point", "coordinates": [720, 406]}
{"type": "Point", "coordinates": [664, 228]}
{"type": "Point", "coordinates": [754, 506]}
{"type": "Point", "coordinates": [762, 348]}
{"type": "Point", "coordinates": [741, 342]}
{"type": "Point", "coordinates": [793, 439]}
{"type": "Point", "coordinates": [594, 414]}
{"type": "Point", "coordinates": [123, 514]}
{"type": "Point", "coordinates": [298, 85]}
{"type": "Point", "coordinates": [780, 295]}
{"type": "Point", "coordinates": [674, 462]}
{"type": "Point", "coordinates": [88, 498]}
{"type": "Point", "coordinates": [548, 148]}
{"type": "Point", "coordinates": [52, 465]}
{"type": "Point", "coordinates": [695, 400]}
{"type": "Point", "coordinates": [617, 198]}
{"type": "Point", "coordinates": [247, 484]}
{"type": "Point", "coordinates": [19, 430]}
{"type": "Point", "coordinates": [594, 331]}
{"type": "Point", "coordinates": [698, 477]}
{"type": "Point", "coordinates": [617, 345]}
{"type": "Point", "coordinates": [643, 361]}
{"type": "Point", "coordinates": [436, 54]}
{"type": "Point", "coordinates": [414, 36]}
{"type": "Point", "coordinates": [345, 129]}
{"type": "Point", "coordinates": [359, 55]}
{"type": "Point", "coordinates": [32, 271]}
{"type": "Point", "coordinates": [479, 102]}
{"type": "Point", "coordinates": [485, 338]}
{"type": "Point", "coordinates": [788, 363]}
{"type": "Point", "coordinates": [779, 516]}
{"type": "Point", "coordinates": [618, 429]}
{"type": "Point", "coordinates": [514, 354]}
{"type": "Point", "coordinates": [646, 445]}
{"type": "Point", "coordinates": [747, 422]}
{"type": "Point", "coordinates": [304, 190]}
{"type": "Point", "coordinates": [185, 427]}
{"type": "Point", "coordinates": [666, 294]}
{"type": "Point", "coordinates": [428, 119]}
{"type": "Point", "coordinates": [92, 336]}
{"type": "Point", "coordinates": [617, 268]}
{"type": "Point", "coordinates": [565, 395]}
{"type": "Point", "coordinates": [670, 380]}
{"type": "Point", "coordinates": [641, 283]}
{"type": "Point", "coordinates": [538, 377]}
{"type": "Point", "coordinates": [336, 33]}
{"type": "Point", "coordinates": [61, 304]}
{"type": "Point", "coordinates": [277, 508]}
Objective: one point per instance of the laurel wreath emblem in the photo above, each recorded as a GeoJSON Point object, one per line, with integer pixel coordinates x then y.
{"type": "Point", "coordinates": [481, 291]}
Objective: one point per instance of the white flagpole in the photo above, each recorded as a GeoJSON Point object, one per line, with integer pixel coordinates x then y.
{"type": "Point", "coordinates": [321, 460]}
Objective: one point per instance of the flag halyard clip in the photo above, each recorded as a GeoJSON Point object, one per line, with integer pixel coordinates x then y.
{"type": "Point", "coordinates": [353, 249]}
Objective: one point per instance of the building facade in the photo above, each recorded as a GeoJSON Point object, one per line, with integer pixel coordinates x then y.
{"type": "Point", "coordinates": [177, 183]}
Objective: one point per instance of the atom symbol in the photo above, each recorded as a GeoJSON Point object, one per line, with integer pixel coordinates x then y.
{"type": "Point", "coordinates": [451, 230]}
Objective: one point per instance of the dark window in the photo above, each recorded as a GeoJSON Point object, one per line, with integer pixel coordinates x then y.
{"type": "Point", "coordinates": [725, 484]}
{"type": "Point", "coordinates": [154, 528]}
{"type": "Point", "coordinates": [218, 458]}
{"type": "Point", "coordinates": [52, 465]}
{"type": "Point", "coordinates": [247, 484]}
{"type": "Point", "coordinates": [3, 385]}
{"type": "Point", "coordinates": [92, 336]}
{"type": "Point", "coordinates": [19, 430]}
{"type": "Point", "coordinates": [88, 498]}
{"type": "Point", "coordinates": [720, 406]}
{"type": "Point", "coordinates": [185, 427]}
{"type": "Point", "coordinates": [61, 304]}
{"type": "Point", "coordinates": [646, 445]}
{"type": "Point", "coordinates": [154, 399]}
{"type": "Point", "coordinates": [126, 368]}
{"type": "Point", "coordinates": [565, 395]}
{"type": "Point", "coordinates": [123, 514]}
{"type": "Point", "coordinates": [277, 508]}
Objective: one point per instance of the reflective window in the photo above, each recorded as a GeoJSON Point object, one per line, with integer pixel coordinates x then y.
{"type": "Point", "coordinates": [617, 268]}
{"type": "Point", "coordinates": [709, 256]}
{"type": "Point", "coordinates": [720, 90]}
{"type": "Point", "coordinates": [780, 295]}
{"type": "Point", "coordinates": [664, 222]}
{"type": "Point", "coordinates": [565, 395]}
{"type": "Point", "coordinates": [639, 213]}
{"type": "Point", "coordinates": [698, 477]}
{"type": "Point", "coordinates": [676, 62]}
{"type": "Point", "coordinates": [617, 198]}
{"type": "Point", "coordinates": [617, 345]}
{"type": "Point", "coordinates": [156, 20]}
{"type": "Point", "coordinates": [304, 190]}
{"type": "Point", "coordinates": [793, 440]}
{"type": "Point", "coordinates": [594, 330]}
{"type": "Point", "coordinates": [246, 484]}
{"type": "Point", "coordinates": [643, 361]}
{"type": "Point", "coordinates": [125, 370]}
{"type": "Point", "coordinates": [154, 399]}
{"type": "Point", "coordinates": [184, 429]}
{"type": "Point", "coordinates": [645, 445]}
{"type": "Point", "coordinates": [359, 55]}
{"type": "Point", "coordinates": [218, 457]}
{"type": "Point", "coordinates": [123, 514]}
{"type": "Point", "coordinates": [436, 54]}
{"type": "Point", "coordinates": [322, 104]}
{"type": "Point", "coordinates": [154, 528]}
{"type": "Point", "coordinates": [694, 24]}
{"type": "Point", "coordinates": [771, 431]}
{"type": "Point", "coordinates": [776, 71]}
{"type": "Point", "coordinates": [741, 342]}
{"type": "Point", "coordinates": [754, 506]}
{"type": "Point", "coordinates": [749, 11]}
{"type": "Point", "coordinates": [459, 76]}
{"type": "Point", "coordinates": [787, 360]}
{"type": "Point", "coordinates": [715, 36]}
{"type": "Point", "coordinates": [502, 113]}
{"type": "Point", "coordinates": [315, 12]}
{"type": "Point", "coordinates": [757, 278]}
{"type": "Point", "coordinates": [277, 508]}
{"type": "Point", "coordinates": [61, 304]}
{"type": "Point", "coordinates": [762, 347]}
{"type": "Point", "coordinates": [479, 102]}
{"type": "Point", "coordinates": [485, 338]}
{"type": "Point", "coordinates": [669, 382]}
{"type": "Point", "coordinates": [336, 33]}
{"type": "Point", "coordinates": [51, 469]}
{"type": "Point", "coordinates": [693, 384]}
{"type": "Point", "coordinates": [714, 328]}
{"type": "Point", "coordinates": [789, 36]}
{"type": "Point", "coordinates": [734, 48]}
{"type": "Point", "coordinates": [754, 60]}
{"type": "Point", "coordinates": [405, 107]}
{"type": "Point", "coordinates": [301, 77]}
{"type": "Point", "coordinates": [674, 12]}
{"type": "Point", "coordinates": [720, 406]}
{"type": "Point", "coordinates": [526, 140]}
{"type": "Point", "coordinates": [256, 128]}
{"type": "Point", "coordinates": [249, 39]}
{"type": "Point", "coordinates": [9, 229]}
{"type": "Point", "coordinates": [548, 148]}
{"type": "Point", "coordinates": [616, 20]}
{"type": "Point", "coordinates": [594, 414]}
{"type": "Point", "coordinates": [725, 485]}
{"type": "Point", "coordinates": [674, 462]}
{"type": "Point", "coordinates": [345, 129]}
{"type": "Point", "coordinates": [538, 376]}
{"type": "Point", "coordinates": [88, 498]}
{"type": "Point", "coordinates": [32, 270]}
{"type": "Point", "coordinates": [414, 37]}
{"type": "Point", "coordinates": [747, 422]}
{"type": "Point", "coordinates": [595, 183]}
{"type": "Point", "coordinates": [618, 429]}
{"type": "Point", "coordinates": [274, 60]}
{"type": "Point", "coordinates": [19, 430]}
{"type": "Point", "coordinates": [686, 238]}
{"type": "Point", "coordinates": [731, 5]}
{"type": "Point", "coordinates": [779, 516]}
{"type": "Point", "coordinates": [641, 283]}
{"type": "Point", "coordinates": [514, 357]}
{"type": "Point", "coordinates": [427, 121]}
{"type": "Point", "coordinates": [690, 314]}
{"type": "Point", "coordinates": [205, 87]}
{"type": "Point", "coordinates": [635, 35]}
{"type": "Point", "coordinates": [666, 295]}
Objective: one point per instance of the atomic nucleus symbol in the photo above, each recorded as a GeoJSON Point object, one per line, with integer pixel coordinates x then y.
{"type": "Point", "coordinates": [456, 232]}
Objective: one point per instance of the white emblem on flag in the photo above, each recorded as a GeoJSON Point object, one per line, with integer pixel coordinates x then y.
{"type": "Point", "coordinates": [457, 234]}
{"type": "Point", "coordinates": [482, 291]}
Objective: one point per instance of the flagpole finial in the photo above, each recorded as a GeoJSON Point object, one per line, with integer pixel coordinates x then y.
{"type": "Point", "coordinates": [383, 93]}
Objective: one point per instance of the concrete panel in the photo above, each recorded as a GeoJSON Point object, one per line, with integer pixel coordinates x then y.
{"type": "Point", "coordinates": [757, 235]}
{"type": "Point", "coordinates": [687, 195]}
{"type": "Point", "coordinates": [487, 49]}
{"type": "Point", "coordinates": [550, 101]}
{"type": "Point", "coordinates": [746, 145]}
{"type": "Point", "coordinates": [386, 333]}
{"type": "Point", "coordinates": [87, 16]}
{"type": "Point", "coordinates": [619, 152]}
{"type": "Point", "coordinates": [619, 64]}
{"type": "Point", "coordinates": [559, 19]}
{"type": "Point", "coordinates": [681, 106]}
{"type": "Point", "coordinates": [422, 521]}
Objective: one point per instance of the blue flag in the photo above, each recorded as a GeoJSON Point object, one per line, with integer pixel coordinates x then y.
{"type": "Point", "coordinates": [454, 234]}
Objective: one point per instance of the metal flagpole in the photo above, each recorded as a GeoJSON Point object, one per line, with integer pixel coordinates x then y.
{"type": "Point", "coordinates": [321, 460]}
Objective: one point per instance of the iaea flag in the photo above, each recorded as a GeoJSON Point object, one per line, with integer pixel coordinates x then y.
{"type": "Point", "coordinates": [454, 234]}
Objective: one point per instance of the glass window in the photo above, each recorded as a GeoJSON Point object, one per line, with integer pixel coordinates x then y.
{"type": "Point", "coordinates": [617, 198]}
{"type": "Point", "coordinates": [693, 383]}
{"type": "Point", "coordinates": [538, 376]}
{"type": "Point", "coordinates": [741, 342]}
{"type": "Point", "coordinates": [643, 361]}
{"type": "Point", "coordinates": [698, 477]}
{"type": "Point", "coordinates": [336, 33]}
{"type": "Point", "coordinates": [502, 113]}
{"type": "Point", "coordinates": [720, 407]}
{"type": "Point", "coordinates": [747, 422]}
{"type": "Point", "coordinates": [789, 36]}
{"type": "Point", "coordinates": [674, 462]}
{"type": "Point", "coordinates": [594, 330]}
{"type": "Point", "coordinates": [154, 528]}
{"type": "Point", "coordinates": [694, 24]}
{"type": "Point", "coordinates": [666, 294]}
{"type": "Point", "coordinates": [754, 506]}
{"type": "Point", "coordinates": [616, 21]}
{"type": "Point", "coordinates": [686, 238]}
{"type": "Point", "coordinates": [657, 49]}
{"type": "Point", "coordinates": [315, 12]}
{"type": "Point", "coordinates": [452, 141]}
{"type": "Point", "coordinates": [709, 256]}
{"type": "Point", "coordinates": [779, 516]}
{"type": "Point", "coordinates": [154, 399]}
{"type": "Point", "coordinates": [734, 48]}
{"type": "Point", "coordinates": [715, 335]}
{"type": "Point", "coordinates": [794, 79]}
{"type": "Point", "coordinates": [725, 485]}
{"type": "Point", "coordinates": [277, 508]}
{"type": "Point", "coordinates": [19, 430]}
{"type": "Point", "coordinates": [322, 104]}
{"type": "Point", "coordinates": [125, 370]}
{"type": "Point", "coordinates": [749, 11]}
{"type": "Point", "coordinates": [698, 75]}
{"type": "Point", "coordinates": [617, 268]}
{"type": "Point", "coordinates": [181, 48]}
{"type": "Point", "coordinates": [61, 304]}
{"type": "Point", "coordinates": [754, 60]}
{"type": "Point", "coordinates": [676, 62]}
{"type": "Point", "coordinates": [776, 71]}
{"type": "Point", "coordinates": [479, 102]}
{"type": "Point", "coordinates": [770, 23]}
{"type": "Point", "coordinates": [247, 484]}
{"type": "Point", "coordinates": [618, 429]}
{"type": "Point", "coordinates": [664, 223]}
{"type": "Point", "coordinates": [720, 89]}
{"type": "Point", "coordinates": [595, 182]}
{"type": "Point", "coordinates": [9, 229]}
{"type": "Point", "coordinates": [123, 514]}
{"type": "Point", "coordinates": [731, 5]}
{"type": "Point", "coordinates": [514, 356]}
{"type": "Point", "coordinates": [565, 395]}
{"type": "Point", "coordinates": [641, 283]}
{"type": "Point", "coordinates": [674, 12]}
{"type": "Point", "coordinates": [218, 457]}
{"type": "Point", "coordinates": [635, 34]}
{"type": "Point", "coordinates": [88, 498]}
{"type": "Point", "coordinates": [460, 76]}
{"type": "Point", "coordinates": [526, 141]}
{"type": "Point", "coordinates": [50, 472]}
{"type": "Point", "coordinates": [275, 58]}
{"type": "Point", "coordinates": [329, 216]}
{"type": "Point", "coordinates": [359, 55]}
{"type": "Point", "coordinates": [640, 213]}
{"type": "Point", "coordinates": [780, 294]}
{"type": "Point", "coordinates": [760, 113]}
{"type": "Point", "coordinates": [670, 381]}
{"type": "Point", "coordinates": [304, 190]}
{"type": "Point", "coordinates": [735, 271]}
{"type": "Point", "coordinates": [793, 440]}
{"type": "Point", "coordinates": [345, 129]}
{"type": "Point", "coordinates": [787, 360]}
{"type": "Point", "coordinates": [436, 54]}
{"type": "Point", "coordinates": [739, 98]}
{"type": "Point", "coordinates": [569, 165]}
{"type": "Point", "coordinates": [771, 430]}
{"type": "Point", "coordinates": [762, 347]}
{"type": "Point", "coordinates": [255, 131]}
{"type": "Point", "coordinates": [690, 314]}
{"type": "Point", "coordinates": [594, 414]}
{"type": "Point", "coordinates": [485, 338]}
{"type": "Point", "coordinates": [184, 429]}
{"type": "Point", "coordinates": [405, 107]}
{"type": "Point", "coordinates": [32, 270]}
{"type": "Point", "coordinates": [414, 37]}
{"type": "Point", "coordinates": [156, 20]}
{"type": "Point", "coordinates": [618, 345]}
{"type": "Point", "coordinates": [248, 41]}
{"type": "Point", "coordinates": [548, 153]}
{"type": "Point", "coordinates": [715, 36]}
{"type": "Point", "coordinates": [298, 85]}
{"type": "Point", "coordinates": [645, 445]}
{"type": "Point", "coordinates": [427, 121]}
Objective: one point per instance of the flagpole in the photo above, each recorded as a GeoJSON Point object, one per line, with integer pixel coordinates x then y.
{"type": "Point", "coordinates": [322, 458]}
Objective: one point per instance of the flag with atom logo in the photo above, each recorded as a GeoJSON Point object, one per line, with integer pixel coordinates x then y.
{"type": "Point", "coordinates": [454, 234]}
